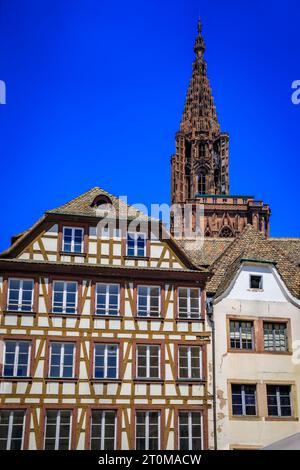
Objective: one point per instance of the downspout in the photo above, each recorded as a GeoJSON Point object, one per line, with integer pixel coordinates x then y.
{"type": "Point", "coordinates": [210, 316]}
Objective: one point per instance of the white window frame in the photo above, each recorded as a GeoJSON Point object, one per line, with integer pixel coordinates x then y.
{"type": "Point", "coordinates": [147, 412]}
{"type": "Point", "coordinates": [57, 428]}
{"type": "Point", "coordinates": [188, 289]}
{"type": "Point", "coordinates": [105, 361]}
{"type": "Point", "coordinates": [190, 427]}
{"type": "Point", "coordinates": [278, 401]}
{"type": "Point", "coordinates": [64, 301]}
{"type": "Point", "coordinates": [148, 359]}
{"type": "Point", "coordinates": [103, 421]}
{"type": "Point", "coordinates": [135, 236]}
{"type": "Point", "coordinates": [10, 428]}
{"type": "Point", "coordinates": [20, 295]}
{"type": "Point", "coordinates": [16, 358]}
{"type": "Point", "coordinates": [243, 395]}
{"type": "Point", "coordinates": [148, 312]}
{"type": "Point", "coordinates": [107, 298]}
{"type": "Point", "coordinates": [189, 357]}
{"type": "Point", "coordinates": [61, 362]}
{"type": "Point", "coordinates": [73, 240]}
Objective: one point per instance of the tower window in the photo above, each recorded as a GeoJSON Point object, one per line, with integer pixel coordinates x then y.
{"type": "Point", "coordinates": [201, 184]}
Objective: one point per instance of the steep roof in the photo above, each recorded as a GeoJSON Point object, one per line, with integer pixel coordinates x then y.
{"type": "Point", "coordinates": [82, 205]}
{"type": "Point", "coordinates": [251, 245]}
{"type": "Point", "coordinates": [208, 251]}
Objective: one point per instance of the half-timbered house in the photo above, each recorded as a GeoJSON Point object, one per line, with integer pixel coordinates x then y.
{"type": "Point", "coordinates": [103, 336]}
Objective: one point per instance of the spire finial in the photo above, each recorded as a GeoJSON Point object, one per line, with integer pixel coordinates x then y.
{"type": "Point", "coordinates": [199, 27]}
{"type": "Point", "coordinates": [199, 47]}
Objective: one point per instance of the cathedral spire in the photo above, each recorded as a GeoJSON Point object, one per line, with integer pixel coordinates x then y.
{"type": "Point", "coordinates": [201, 161]}
{"type": "Point", "coordinates": [199, 115]}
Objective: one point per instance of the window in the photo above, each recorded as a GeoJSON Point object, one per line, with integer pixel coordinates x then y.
{"type": "Point", "coordinates": [20, 295]}
{"type": "Point", "coordinates": [201, 184]}
{"type": "Point", "coordinates": [188, 302]}
{"type": "Point", "coordinates": [279, 400]}
{"type": "Point", "coordinates": [106, 361]}
{"type": "Point", "coordinates": [256, 282]}
{"type": "Point", "coordinates": [16, 359]}
{"type": "Point", "coordinates": [241, 334]}
{"type": "Point", "coordinates": [190, 430]}
{"type": "Point", "coordinates": [58, 430]}
{"type": "Point", "coordinates": [11, 429]}
{"type": "Point", "coordinates": [136, 244]}
{"type": "Point", "coordinates": [148, 361]}
{"type": "Point", "coordinates": [148, 301]}
{"type": "Point", "coordinates": [62, 360]}
{"type": "Point", "coordinates": [243, 400]}
{"type": "Point", "coordinates": [73, 240]}
{"type": "Point", "coordinates": [147, 430]}
{"type": "Point", "coordinates": [103, 430]}
{"type": "Point", "coordinates": [275, 337]}
{"type": "Point", "coordinates": [107, 299]}
{"type": "Point", "coordinates": [64, 297]}
{"type": "Point", "coordinates": [189, 358]}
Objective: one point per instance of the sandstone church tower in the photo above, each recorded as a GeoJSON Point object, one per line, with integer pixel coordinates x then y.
{"type": "Point", "coordinates": [200, 166]}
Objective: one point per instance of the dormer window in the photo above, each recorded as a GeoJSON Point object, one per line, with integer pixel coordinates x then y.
{"type": "Point", "coordinates": [73, 240]}
{"type": "Point", "coordinates": [136, 244]}
{"type": "Point", "coordinates": [102, 204]}
{"type": "Point", "coordinates": [256, 282]}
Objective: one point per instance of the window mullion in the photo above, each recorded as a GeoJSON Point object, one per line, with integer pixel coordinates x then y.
{"type": "Point", "coordinates": [105, 360]}
{"type": "Point", "coordinates": [189, 358]}
{"type": "Point", "coordinates": [278, 401]}
{"type": "Point", "coordinates": [243, 400]}
{"type": "Point", "coordinates": [10, 426]}
{"type": "Point", "coordinates": [188, 293]}
{"type": "Point", "coordinates": [61, 362]}
{"type": "Point", "coordinates": [148, 361]}
{"type": "Point", "coordinates": [102, 429]}
{"type": "Point", "coordinates": [190, 430]}
{"type": "Point", "coordinates": [16, 361]}
{"type": "Point", "coordinates": [57, 431]}
{"type": "Point", "coordinates": [148, 302]}
{"type": "Point", "coordinates": [107, 299]}
{"type": "Point", "coordinates": [64, 305]}
{"type": "Point", "coordinates": [20, 295]}
{"type": "Point", "coordinates": [147, 430]}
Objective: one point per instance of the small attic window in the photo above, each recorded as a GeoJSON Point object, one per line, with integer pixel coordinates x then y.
{"type": "Point", "coordinates": [101, 200]}
{"type": "Point", "coordinates": [102, 204]}
{"type": "Point", "coordinates": [256, 282]}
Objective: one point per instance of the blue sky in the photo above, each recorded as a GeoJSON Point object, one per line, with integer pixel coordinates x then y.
{"type": "Point", "coordinates": [95, 92]}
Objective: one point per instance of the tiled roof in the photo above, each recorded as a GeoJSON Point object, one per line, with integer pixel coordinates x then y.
{"type": "Point", "coordinates": [209, 249]}
{"type": "Point", "coordinates": [252, 245]}
{"type": "Point", "coordinates": [289, 246]}
{"type": "Point", "coordinates": [82, 205]}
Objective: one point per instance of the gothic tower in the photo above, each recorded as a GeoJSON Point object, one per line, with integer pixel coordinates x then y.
{"type": "Point", "coordinates": [200, 172]}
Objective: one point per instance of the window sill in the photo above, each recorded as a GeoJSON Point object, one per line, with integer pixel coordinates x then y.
{"type": "Point", "coordinates": [65, 315]}
{"type": "Point", "coordinates": [145, 258]}
{"type": "Point", "coordinates": [16, 379]}
{"type": "Point", "coordinates": [190, 320]}
{"type": "Point", "coordinates": [138, 318]}
{"type": "Point", "coordinates": [107, 317]}
{"type": "Point", "coordinates": [254, 351]}
{"type": "Point", "coordinates": [281, 418]}
{"type": "Point", "coordinates": [18, 312]}
{"type": "Point", "coordinates": [72, 253]}
{"type": "Point", "coordinates": [61, 379]}
{"type": "Point", "coordinates": [147, 381]}
{"type": "Point", "coordinates": [190, 381]}
{"type": "Point", "coordinates": [245, 418]}
{"type": "Point", "coordinates": [255, 290]}
{"type": "Point", "coordinates": [106, 381]}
